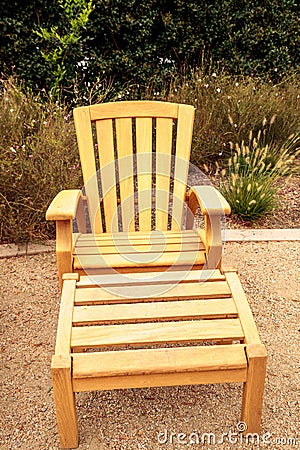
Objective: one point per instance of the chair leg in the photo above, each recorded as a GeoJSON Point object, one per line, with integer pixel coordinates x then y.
{"type": "Point", "coordinates": [254, 387]}
{"type": "Point", "coordinates": [64, 401]}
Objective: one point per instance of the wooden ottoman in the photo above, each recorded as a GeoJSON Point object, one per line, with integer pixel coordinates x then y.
{"type": "Point", "coordinates": [156, 329]}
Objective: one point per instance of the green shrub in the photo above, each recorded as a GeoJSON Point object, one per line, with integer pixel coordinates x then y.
{"type": "Point", "coordinates": [38, 158]}
{"type": "Point", "coordinates": [128, 40]}
{"type": "Point", "coordinates": [251, 180]}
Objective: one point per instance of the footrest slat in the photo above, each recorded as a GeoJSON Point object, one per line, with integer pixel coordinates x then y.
{"type": "Point", "coordinates": [156, 333]}
{"type": "Point", "coordinates": [165, 360]}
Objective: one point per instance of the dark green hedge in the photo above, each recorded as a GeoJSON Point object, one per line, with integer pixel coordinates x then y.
{"type": "Point", "coordinates": [144, 40]}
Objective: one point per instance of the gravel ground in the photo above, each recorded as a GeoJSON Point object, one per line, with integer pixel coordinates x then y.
{"type": "Point", "coordinates": [133, 419]}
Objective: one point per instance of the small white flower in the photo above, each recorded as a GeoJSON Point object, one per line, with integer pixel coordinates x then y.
{"type": "Point", "coordinates": [214, 74]}
{"type": "Point", "coordinates": [13, 150]}
{"type": "Point", "coordinates": [218, 89]}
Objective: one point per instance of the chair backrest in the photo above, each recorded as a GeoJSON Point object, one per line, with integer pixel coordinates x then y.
{"type": "Point", "coordinates": [135, 159]}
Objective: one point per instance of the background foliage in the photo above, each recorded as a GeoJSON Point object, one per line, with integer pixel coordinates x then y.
{"type": "Point", "coordinates": [38, 158]}
{"type": "Point", "coordinates": [235, 61]}
{"type": "Point", "coordinates": [134, 41]}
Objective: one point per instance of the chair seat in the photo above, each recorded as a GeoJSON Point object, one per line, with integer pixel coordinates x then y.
{"type": "Point", "coordinates": [138, 249]}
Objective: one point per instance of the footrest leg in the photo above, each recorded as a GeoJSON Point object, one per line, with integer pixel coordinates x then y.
{"type": "Point", "coordinates": [254, 387]}
{"type": "Point", "coordinates": [64, 398]}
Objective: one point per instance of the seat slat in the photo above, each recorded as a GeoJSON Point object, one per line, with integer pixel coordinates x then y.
{"type": "Point", "coordinates": [138, 235]}
{"type": "Point", "coordinates": [149, 248]}
{"type": "Point", "coordinates": [152, 361]}
{"type": "Point", "coordinates": [136, 242]}
{"type": "Point", "coordinates": [143, 312]}
{"type": "Point", "coordinates": [135, 278]}
{"type": "Point", "coordinates": [156, 333]}
{"type": "Point", "coordinates": [138, 260]}
{"type": "Point", "coordinates": [143, 238]}
{"type": "Point", "coordinates": [167, 292]}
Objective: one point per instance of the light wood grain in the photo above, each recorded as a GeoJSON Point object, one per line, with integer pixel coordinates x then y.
{"type": "Point", "coordinates": [217, 289]}
{"type": "Point", "coordinates": [144, 171]}
{"type": "Point", "coordinates": [136, 238]}
{"type": "Point", "coordinates": [169, 379]}
{"type": "Point", "coordinates": [125, 165]}
{"type": "Point", "coordinates": [254, 387]}
{"type": "Point", "coordinates": [139, 247]}
{"type": "Point", "coordinates": [133, 109]}
{"type": "Point", "coordinates": [139, 259]}
{"type": "Point", "coordinates": [135, 278]}
{"type": "Point", "coordinates": [105, 139]}
{"type": "Point", "coordinates": [163, 332]}
{"type": "Point", "coordinates": [183, 149]}
{"type": "Point", "coordinates": [64, 205]}
{"type": "Point", "coordinates": [245, 314]}
{"type": "Point", "coordinates": [164, 129]}
{"type": "Point", "coordinates": [143, 312]}
{"type": "Point", "coordinates": [87, 157]}
{"type": "Point", "coordinates": [167, 360]}
{"type": "Point", "coordinates": [64, 248]}
{"type": "Point", "coordinates": [63, 337]}
{"type": "Point", "coordinates": [64, 401]}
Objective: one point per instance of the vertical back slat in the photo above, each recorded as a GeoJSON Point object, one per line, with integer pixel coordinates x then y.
{"type": "Point", "coordinates": [182, 156]}
{"type": "Point", "coordinates": [105, 139]}
{"type": "Point", "coordinates": [144, 171]}
{"type": "Point", "coordinates": [163, 166]}
{"type": "Point", "coordinates": [87, 156]}
{"type": "Point", "coordinates": [125, 163]}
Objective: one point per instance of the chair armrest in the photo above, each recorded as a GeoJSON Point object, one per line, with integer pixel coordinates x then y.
{"type": "Point", "coordinates": [210, 200]}
{"type": "Point", "coordinates": [213, 206]}
{"type": "Point", "coordinates": [64, 205]}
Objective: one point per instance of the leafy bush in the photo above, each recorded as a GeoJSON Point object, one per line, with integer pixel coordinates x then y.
{"type": "Point", "coordinates": [137, 41]}
{"type": "Point", "coordinates": [251, 180]}
{"type": "Point", "coordinates": [38, 158]}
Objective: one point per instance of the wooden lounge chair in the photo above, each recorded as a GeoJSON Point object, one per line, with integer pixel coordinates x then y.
{"type": "Point", "coordinates": [142, 150]}
{"type": "Point", "coordinates": [143, 289]}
